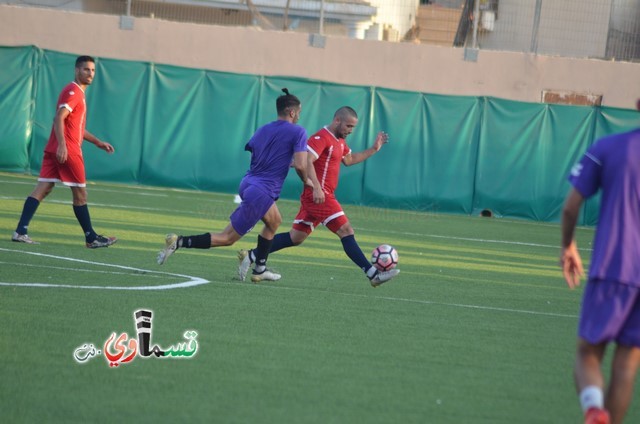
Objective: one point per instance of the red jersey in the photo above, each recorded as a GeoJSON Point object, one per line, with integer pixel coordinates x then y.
{"type": "Point", "coordinates": [328, 151]}
{"type": "Point", "coordinates": [71, 98]}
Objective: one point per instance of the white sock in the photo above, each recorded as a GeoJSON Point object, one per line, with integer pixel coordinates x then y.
{"type": "Point", "coordinates": [259, 269]}
{"type": "Point", "coordinates": [371, 272]}
{"type": "Point", "coordinates": [591, 397]}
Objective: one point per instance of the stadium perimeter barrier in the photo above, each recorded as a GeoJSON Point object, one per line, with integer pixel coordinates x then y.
{"type": "Point", "coordinates": [187, 128]}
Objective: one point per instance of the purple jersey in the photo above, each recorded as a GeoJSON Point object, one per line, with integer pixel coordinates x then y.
{"type": "Point", "coordinates": [272, 148]}
{"type": "Point", "coordinates": [613, 165]}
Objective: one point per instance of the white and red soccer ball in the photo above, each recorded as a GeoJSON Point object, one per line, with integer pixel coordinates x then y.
{"type": "Point", "coordinates": [384, 257]}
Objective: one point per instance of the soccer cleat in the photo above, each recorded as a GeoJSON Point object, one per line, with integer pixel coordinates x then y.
{"type": "Point", "coordinates": [101, 241]}
{"type": "Point", "coordinates": [170, 246]}
{"type": "Point", "coordinates": [382, 277]}
{"type": "Point", "coordinates": [244, 256]}
{"type": "Point", "coordinates": [265, 275]}
{"type": "Point", "coordinates": [23, 238]}
{"type": "Point", "coordinates": [596, 416]}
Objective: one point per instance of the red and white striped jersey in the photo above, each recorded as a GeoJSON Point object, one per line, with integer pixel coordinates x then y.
{"type": "Point", "coordinates": [328, 151]}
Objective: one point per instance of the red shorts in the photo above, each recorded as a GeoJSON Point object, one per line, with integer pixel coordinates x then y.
{"type": "Point", "coordinates": [310, 215]}
{"type": "Point", "coordinates": [70, 173]}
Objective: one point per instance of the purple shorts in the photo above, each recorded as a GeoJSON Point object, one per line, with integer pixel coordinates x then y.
{"type": "Point", "coordinates": [255, 204]}
{"type": "Point", "coordinates": [610, 312]}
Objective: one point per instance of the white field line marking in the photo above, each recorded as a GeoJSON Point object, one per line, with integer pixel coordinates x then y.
{"type": "Point", "coordinates": [140, 192]}
{"type": "Point", "coordinates": [111, 205]}
{"type": "Point", "coordinates": [371, 230]}
{"type": "Point", "coordinates": [516, 243]}
{"type": "Point", "coordinates": [462, 305]}
{"type": "Point", "coordinates": [192, 281]}
{"type": "Point", "coordinates": [134, 190]}
{"type": "Point", "coordinates": [92, 271]}
{"type": "Point", "coordinates": [195, 281]}
{"type": "Point", "coordinates": [400, 299]}
{"type": "Point", "coordinates": [429, 302]}
{"type": "Point", "coordinates": [66, 202]}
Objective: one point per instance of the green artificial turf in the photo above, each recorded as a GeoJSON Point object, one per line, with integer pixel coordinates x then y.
{"type": "Point", "coordinates": [479, 326]}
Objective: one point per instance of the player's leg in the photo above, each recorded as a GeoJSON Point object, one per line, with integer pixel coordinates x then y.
{"type": "Point", "coordinates": [623, 375]}
{"type": "Point", "coordinates": [626, 358]}
{"type": "Point", "coordinates": [606, 314]}
{"type": "Point", "coordinates": [280, 241]}
{"type": "Point", "coordinates": [72, 175]}
{"type": "Point", "coordinates": [589, 379]}
{"type": "Point", "coordinates": [302, 227]}
{"type": "Point", "coordinates": [173, 242]}
{"type": "Point", "coordinates": [49, 175]}
{"type": "Point", "coordinates": [272, 220]}
{"type": "Point", "coordinates": [42, 190]}
{"type": "Point", "coordinates": [343, 229]}
{"type": "Point", "coordinates": [337, 222]}
{"type": "Point", "coordinates": [31, 203]}
{"type": "Point", "coordinates": [333, 217]}
{"type": "Point", "coordinates": [253, 207]}
{"type": "Point", "coordinates": [591, 345]}
{"type": "Point", "coordinates": [226, 237]}
{"type": "Point", "coordinates": [303, 224]}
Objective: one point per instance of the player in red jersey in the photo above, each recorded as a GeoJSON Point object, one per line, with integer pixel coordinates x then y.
{"type": "Point", "coordinates": [318, 205]}
{"type": "Point", "coordinates": [63, 160]}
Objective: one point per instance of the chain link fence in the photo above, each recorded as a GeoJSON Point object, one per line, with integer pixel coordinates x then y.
{"type": "Point", "coordinates": [602, 29]}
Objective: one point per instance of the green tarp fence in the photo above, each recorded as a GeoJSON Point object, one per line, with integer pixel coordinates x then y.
{"type": "Point", "coordinates": [183, 127]}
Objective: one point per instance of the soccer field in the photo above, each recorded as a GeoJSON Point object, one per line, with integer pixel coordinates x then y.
{"type": "Point", "coordinates": [479, 327]}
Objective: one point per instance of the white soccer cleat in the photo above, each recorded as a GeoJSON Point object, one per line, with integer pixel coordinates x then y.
{"type": "Point", "coordinates": [265, 275]}
{"type": "Point", "coordinates": [101, 241]}
{"type": "Point", "coordinates": [170, 246]}
{"type": "Point", "coordinates": [23, 238]}
{"type": "Point", "coordinates": [382, 277]}
{"type": "Point", "coordinates": [244, 256]}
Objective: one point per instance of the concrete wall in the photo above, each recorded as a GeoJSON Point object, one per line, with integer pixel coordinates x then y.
{"type": "Point", "coordinates": [403, 66]}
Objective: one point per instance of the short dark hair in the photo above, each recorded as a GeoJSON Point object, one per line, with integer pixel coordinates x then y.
{"type": "Point", "coordinates": [286, 101]}
{"type": "Point", "coordinates": [344, 112]}
{"type": "Point", "coordinates": [82, 59]}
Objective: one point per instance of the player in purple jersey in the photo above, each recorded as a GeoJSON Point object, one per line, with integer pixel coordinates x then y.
{"type": "Point", "coordinates": [610, 310]}
{"type": "Point", "coordinates": [273, 147]}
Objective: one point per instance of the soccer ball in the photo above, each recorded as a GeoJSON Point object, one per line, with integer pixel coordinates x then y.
{"type": "Point", "coordinates": [384, 257]}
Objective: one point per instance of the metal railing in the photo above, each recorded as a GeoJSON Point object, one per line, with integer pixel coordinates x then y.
{"type": "Point", "coordinates": [603, 29]}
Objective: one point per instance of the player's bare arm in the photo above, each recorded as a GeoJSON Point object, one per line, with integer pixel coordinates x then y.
{"type": "Point", "coordinates": [300, 165]}
{"type": "Point", "coordinates": [570, 260]}
{"type": "Point", "coordinates": [58, 128]}
{"type": "Point", "coordinates": [98, 143]}
{"type": "Point", "coordinates": [353, 158]}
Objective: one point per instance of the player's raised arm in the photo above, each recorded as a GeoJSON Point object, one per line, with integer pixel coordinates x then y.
{"type": "Point", "coordinates": [353, 158]}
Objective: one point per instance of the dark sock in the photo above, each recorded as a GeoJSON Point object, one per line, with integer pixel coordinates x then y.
{"type": "Point", "coordinates": [82, 215]}
{"type": "Point", "coordinates": [261, 252]}
{"type": "Point", "coordinates": [201, 241]}
{"type": "Point", "coordinates": [28, 210]}
{"type": "Point", "coordinates": [353, 251]}
{"type": "Point", "coordinates": [281, 241]}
